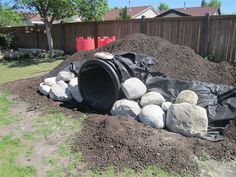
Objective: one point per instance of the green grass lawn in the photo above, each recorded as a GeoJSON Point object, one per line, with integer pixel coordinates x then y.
{"type": "Point", "coordinates": [25, 68]}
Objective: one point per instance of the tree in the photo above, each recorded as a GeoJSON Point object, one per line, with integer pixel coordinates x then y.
{"type": "Point", "coordinates": [212, 3]}
{"type": "Point", "coordinates": [163, 6]}
{"type": "Point", "coordinates": [123, 14]}
{"type": "Point", "coordinates": [49, 10]}
{"type": "Point", "coordinates": [203, 3]}
{"type": "Point", "coordinates": [9, 16]}
{"type": "Point", "coordinates": [92, 10]}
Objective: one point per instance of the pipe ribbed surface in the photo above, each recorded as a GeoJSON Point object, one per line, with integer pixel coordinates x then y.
{"type": "Point", "coordinates": [100, 85]}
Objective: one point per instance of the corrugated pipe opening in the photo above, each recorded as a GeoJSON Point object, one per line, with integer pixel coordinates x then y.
{"type": "Point", "coordinates": [99, 84]}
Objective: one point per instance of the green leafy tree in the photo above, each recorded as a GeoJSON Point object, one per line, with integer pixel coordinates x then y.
{"type": "Point", "coordinates": [92, 10]}
{"type": "Point", "coordinates": [212, 3]}
{"type": "Point", "coordinates": [123, 14]}
{"type": "Point", "coordinates": [203, 3]}
{"type": "Point", "coordinates": [49, 10]}
{"type": "Point", "coordinates": [163, 6]}
{"type": "Point", "coordinates": [9, 16]}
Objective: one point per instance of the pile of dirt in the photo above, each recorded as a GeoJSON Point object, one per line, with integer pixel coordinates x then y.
{"type": "Point", "coordinates": [123, 142]}
{"type": "Point", "coordinates": [175, 61]}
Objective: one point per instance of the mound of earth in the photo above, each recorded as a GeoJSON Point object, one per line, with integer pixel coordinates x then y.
{"type": "Point", "coordinates": [175, 61]}
{"type": "Point", "coordinates": [122, 142]}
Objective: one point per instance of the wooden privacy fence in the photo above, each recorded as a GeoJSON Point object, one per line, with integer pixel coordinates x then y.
{"type": "Point", "coordinates": [208, 35]}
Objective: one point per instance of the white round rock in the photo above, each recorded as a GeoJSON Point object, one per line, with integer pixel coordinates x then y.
{"type": "Point", "coordinates": [152, 115]}
{"type": "Point", "coordinates": [187, 96]}
{"type": "Point", "coordinates": [103, 55]}
{"type": "Point", "coordinates": [60, 92]}
{"type": "Point", "coordinates": [165, 106]}
{"type": "Point", "coordinates": [50, 81]}
{"type": "Point", "coordinates": [65, 76]}
{"type": "Point", "coordinates": [152, 98]}
{"type": "Point", "coordinates": [44, 89]}
{"type": "Point", "coordinates": [133, 88]}
{"type": "Point", "coordinates": [125, 107]}
{"type": "Point", "coordinates": [74, 90]}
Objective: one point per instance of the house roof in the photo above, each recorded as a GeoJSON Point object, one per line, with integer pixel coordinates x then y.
{"type": "Point", "coordinates": [111, 15]}
{"type": "Point", "coordinates": [193, 11]}
{"type": "Point", "coordinates": [36, 18]}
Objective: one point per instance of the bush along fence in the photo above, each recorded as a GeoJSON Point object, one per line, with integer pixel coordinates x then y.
{"type": "Point", "coordinates": [210, 36]}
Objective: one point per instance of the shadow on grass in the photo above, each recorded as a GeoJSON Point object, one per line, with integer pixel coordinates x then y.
{"type": "Point", "coordinates": [23, 62]}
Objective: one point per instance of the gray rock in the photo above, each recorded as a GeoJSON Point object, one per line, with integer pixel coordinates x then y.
{"type": "Point", "coordinates": [133, 88]}
{"type": "Point", "coordinates": [165, 106]}
{"type": "Point", "coordinates": [126, 108]}
{"type": "Point", "coordinates": [74, 90]}
{"type": "Point", "coordinates": [44, 89]}
{"type": "Point", "coordinates": [187, 119]}
{"type": "Point", "coordinates": [152, 115]}
{"type": "Point", "coordinates": [187, 96]}
{"type": "Point", "coordinates": [152, 98]}
{"type": "Point", "coordinates": [65, 76]}
{"type": "Point", "coordinates": [103, 55]}
{"type": "Point", "coordinates": [60, 92]}
{"type": "Point", "coordinates": [50, 81]}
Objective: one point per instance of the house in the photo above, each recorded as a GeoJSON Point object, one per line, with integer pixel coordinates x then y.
{"type": "Point", "coordinates": [31, 18]}
{"type": "Point", "coordinates": [190, 11]}
{"type": "Point", "coordinates": [133, 12]}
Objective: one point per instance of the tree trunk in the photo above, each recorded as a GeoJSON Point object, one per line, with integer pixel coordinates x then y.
{"type": "Point", "coordinates": [49, 36]}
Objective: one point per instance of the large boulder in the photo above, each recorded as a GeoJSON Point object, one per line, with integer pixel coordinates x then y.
{"type": "Point", "coordinates": [187, 96]}
{"type": "Point", "coordinates": [60, 92]}
{"type": "Point", "coordinates": [165, 106]}
{"type": "Point", "coordinates": [152, 115]}
{"type": "Point", "coordinates": [187, 119]}
{"type": "Point", "coordinates": [50, 81]}
{"type": "Point", "coordinates": [133, 88]}
{"type": "Point", "coordinates": [152, 98]}
{"type": "Point", "coordinates": [44, 89]}
{"type": "Point", "coordinates": [65, 76]}
{"type": "Point", "coordinates": [74, 90]}
{"type": "Point", "coordinates": [126, 107]}
{"type": "Point", "coordinates": [103, 55]}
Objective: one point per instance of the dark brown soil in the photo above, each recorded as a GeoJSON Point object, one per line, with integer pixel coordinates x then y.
{"type": "Point", "coordinates": [175, 61]}
{"type": "Point", "coordinates": [121, 142]}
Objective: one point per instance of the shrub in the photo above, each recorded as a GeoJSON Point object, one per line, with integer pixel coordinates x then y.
{"type": "Point", "coordinates": [5, 41]}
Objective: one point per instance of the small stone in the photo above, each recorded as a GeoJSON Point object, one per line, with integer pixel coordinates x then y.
{"type": "Point", "coordinates": [50, 81]}
{"type": "Point", "coordinates": [187, 96]}
{"type": "Point", "coordinates": [133, 88]}
{"type": "Point", "coordinates": [74, 90]}
{"type": "Point", "coordinates": [126, 108]}
{"type": "Point", "coordinates": [65, 76]}
{"type": "Point", "coordinates": [103, 55]}
{"type": "Point", "coordinates": [44, 89]}
{"type": "Point", "coordinates": [152, 98]}
{"type": "Point", "coordinates": [165, 106]}
{"type": "Point", "coordinates": [60, 92]}
{"type": "Point", "coordinates": [152, 115]}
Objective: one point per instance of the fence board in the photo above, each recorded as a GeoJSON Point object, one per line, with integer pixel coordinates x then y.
{"type": "Point", "coordinates": [178, 30]}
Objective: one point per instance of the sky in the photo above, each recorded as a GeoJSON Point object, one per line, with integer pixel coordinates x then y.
{"type": "Point", "coordinates": [228, 6]}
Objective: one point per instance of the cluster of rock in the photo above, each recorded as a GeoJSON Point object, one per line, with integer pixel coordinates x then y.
{"type": "Point", "coordinates": [183, 116]}
{"type": "Point", "coordinates": [63, 88]}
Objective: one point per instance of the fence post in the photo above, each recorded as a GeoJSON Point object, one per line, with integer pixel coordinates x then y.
{"type": "Point", "coordinates": [143, 25]}
{"type": "Point", "coordinates": [96, 34]}
{"type": "Point", "coordinates": [62, 37]}
{"type": "Point", "coordinates": [206, 28]}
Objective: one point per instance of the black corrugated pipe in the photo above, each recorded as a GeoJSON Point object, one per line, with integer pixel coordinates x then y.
{"type": "Point", "coordinates": [100, 84]}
